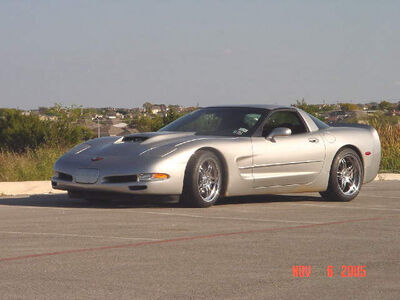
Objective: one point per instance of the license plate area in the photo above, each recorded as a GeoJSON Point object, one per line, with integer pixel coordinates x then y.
{"type": "Point", "coordinates": [87, 176]}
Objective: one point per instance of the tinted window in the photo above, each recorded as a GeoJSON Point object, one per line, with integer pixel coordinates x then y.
{"type": "Point", "coordinates": [219, 121]}
{"type": "Point", "coordinates": [288, 119]}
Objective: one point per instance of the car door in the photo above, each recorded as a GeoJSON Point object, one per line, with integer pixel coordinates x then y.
{"type": "Point", "coordinates": [287, 160]}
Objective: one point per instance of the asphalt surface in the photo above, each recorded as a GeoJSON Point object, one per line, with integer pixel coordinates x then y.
{"type": "Point", "coordinates": [57, 248]}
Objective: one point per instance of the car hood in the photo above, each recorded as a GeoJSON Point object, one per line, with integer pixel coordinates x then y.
{"type": "Point", "coordinates": [136, 144]}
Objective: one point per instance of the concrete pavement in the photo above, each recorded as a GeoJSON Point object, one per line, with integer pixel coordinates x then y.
{"type": "Point", "coordinates": [55, 247]}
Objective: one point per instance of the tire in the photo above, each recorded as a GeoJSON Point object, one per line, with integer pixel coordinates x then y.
{"type": "Point", "coordinates": [345, 178]}
{"type": "Point", "coordinates": [203, 182]}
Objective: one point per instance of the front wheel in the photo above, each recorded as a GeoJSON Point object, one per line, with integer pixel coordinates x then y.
{"type": "Point", "coordinates": [203, 180]}
{"type": "Point", "coordinates": [345, 178]}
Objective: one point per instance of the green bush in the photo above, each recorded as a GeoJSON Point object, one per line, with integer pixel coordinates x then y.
{"type": "Point", "coordinates": [19, 132]}
{"type": "Point", "coordinates": [30, 146]}
{"type": "Point", "coordinates": [389, 135]}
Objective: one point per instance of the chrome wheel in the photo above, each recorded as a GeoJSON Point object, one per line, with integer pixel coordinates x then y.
{"type": "Point", "coordinates": [209, 180]}
{"type": "Point", "coordinates": [349, 175]}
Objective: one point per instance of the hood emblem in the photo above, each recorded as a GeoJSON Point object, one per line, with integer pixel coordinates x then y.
{"type": "Point", "coordinates": [97, 158]}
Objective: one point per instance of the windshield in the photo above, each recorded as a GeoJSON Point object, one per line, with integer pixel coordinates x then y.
{"type": "Point", "coordinates": [223, 121]}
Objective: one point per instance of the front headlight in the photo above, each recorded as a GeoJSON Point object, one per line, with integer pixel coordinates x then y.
{"type": "Point", "coordinates": [152, 177]}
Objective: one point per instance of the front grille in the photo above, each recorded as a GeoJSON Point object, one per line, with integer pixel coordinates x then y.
{"type": "Point", "coordinates": [120, 179]}
{"type": "Point", "coordinates": [64, 176]}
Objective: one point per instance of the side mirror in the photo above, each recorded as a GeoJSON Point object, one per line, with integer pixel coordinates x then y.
{"type": "Point", "coordinates": [279, 131]}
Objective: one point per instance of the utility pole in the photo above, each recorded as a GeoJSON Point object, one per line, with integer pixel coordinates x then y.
{"type": "Point", "coordinates": [98, 127]}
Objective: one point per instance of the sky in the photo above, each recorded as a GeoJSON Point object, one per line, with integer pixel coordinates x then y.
{"type": "Point", "coordinates": [124, 53]}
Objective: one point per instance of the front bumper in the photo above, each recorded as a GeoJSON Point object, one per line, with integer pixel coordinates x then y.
{"type": "Point", "coordinates": [168, 186]}
{"type": "Point", "coordinates": [80, 173]}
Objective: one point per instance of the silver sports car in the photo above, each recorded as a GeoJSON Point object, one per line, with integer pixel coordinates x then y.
{"type": "Point", "coordinates": [226, 151]}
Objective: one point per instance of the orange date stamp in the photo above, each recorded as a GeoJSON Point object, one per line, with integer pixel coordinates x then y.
{"type": "Point", "coordinates": [344, 271]}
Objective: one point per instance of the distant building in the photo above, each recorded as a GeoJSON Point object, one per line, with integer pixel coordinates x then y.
{"type": "Point", "coordinates": [97, 117]}
{"type": "Point", "coordinates": [48, 118]}
{"type": "Point", "coordinates": [155, 109]}
{"type": "Point", "coordinates": [337, 115]}
{"type": "Point", "coordinates": [158, 108]}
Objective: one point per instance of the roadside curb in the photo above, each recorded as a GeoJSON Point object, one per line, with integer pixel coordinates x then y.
{"type": "Point", "coordinates": [44, 187]}
{"type": "Point", "coordinates": [388, 176]}
{"type": "Point", "coordinates": [27, 188]}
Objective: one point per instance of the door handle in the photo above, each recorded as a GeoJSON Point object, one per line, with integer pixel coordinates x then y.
{"type": "Point", "coordinates": [313, 140]}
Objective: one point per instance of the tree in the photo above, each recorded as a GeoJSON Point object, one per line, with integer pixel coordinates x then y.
{"type": "Point", "coordinates": [171, 115]}
{"type": "Point", "coordinates": [147, 107]}
{"type": "Point", "coordinates": [349, 107]}
{"type": "Point", "coordinates": [43, 110]}
{"type": "Point", "coordinates": [146, 123]}
{"type": "Point", "coordinates": [153, 122]}
{"type": "Point", "coordinates": [385, 105]}
{"type": "Point", "coordinates": [309, 108]}
{"type": "Point", "coordinates": [74, 113]}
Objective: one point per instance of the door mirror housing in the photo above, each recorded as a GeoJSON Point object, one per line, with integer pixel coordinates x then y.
{"type": "Point", "coordinates": [279, 131]}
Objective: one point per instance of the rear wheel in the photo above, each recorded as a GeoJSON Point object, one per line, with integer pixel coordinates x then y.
{"type": "Point", "coordinates": [345, 178]}
{"type": "Point", "coordinates": [203, 180]}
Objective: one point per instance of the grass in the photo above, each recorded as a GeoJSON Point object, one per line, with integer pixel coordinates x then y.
{"type": "Point", "coordinates": [390, 141]}
{"type": "Point", "coordinates": [38, 164]}
{"type": "Point", "coordinates": [30, 165]}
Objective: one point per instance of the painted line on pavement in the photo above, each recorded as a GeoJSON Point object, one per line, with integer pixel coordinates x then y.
{"type": "Point", "coordinates": [185, 238]}
{"type": "Point", "coordinates": [344, 206]}
{"type": "Point", "coordinates": [77, 235]}
{"type": "Point", "coordinates": [227, 218]}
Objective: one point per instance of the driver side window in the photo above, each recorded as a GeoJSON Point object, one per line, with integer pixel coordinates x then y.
{"type": "Point", "coordinates": [288, 119]}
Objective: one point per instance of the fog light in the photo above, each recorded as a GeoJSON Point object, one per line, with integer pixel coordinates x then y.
{"type": "Point", "coordinates": [153, 176]}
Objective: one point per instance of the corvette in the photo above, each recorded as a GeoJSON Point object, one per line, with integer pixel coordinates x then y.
{"type": "Point", "coordinates": [223, 151]}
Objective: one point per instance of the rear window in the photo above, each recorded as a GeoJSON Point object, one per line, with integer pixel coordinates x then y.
{"type": "Point", "coordinates": [319, 123]}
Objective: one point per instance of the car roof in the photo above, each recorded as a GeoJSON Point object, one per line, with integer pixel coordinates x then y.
{"type": "Point", "coordinates": [262, 106]}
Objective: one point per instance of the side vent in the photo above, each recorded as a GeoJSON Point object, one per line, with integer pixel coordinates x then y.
{"type": "Point", "coordinates": [134, 139]}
